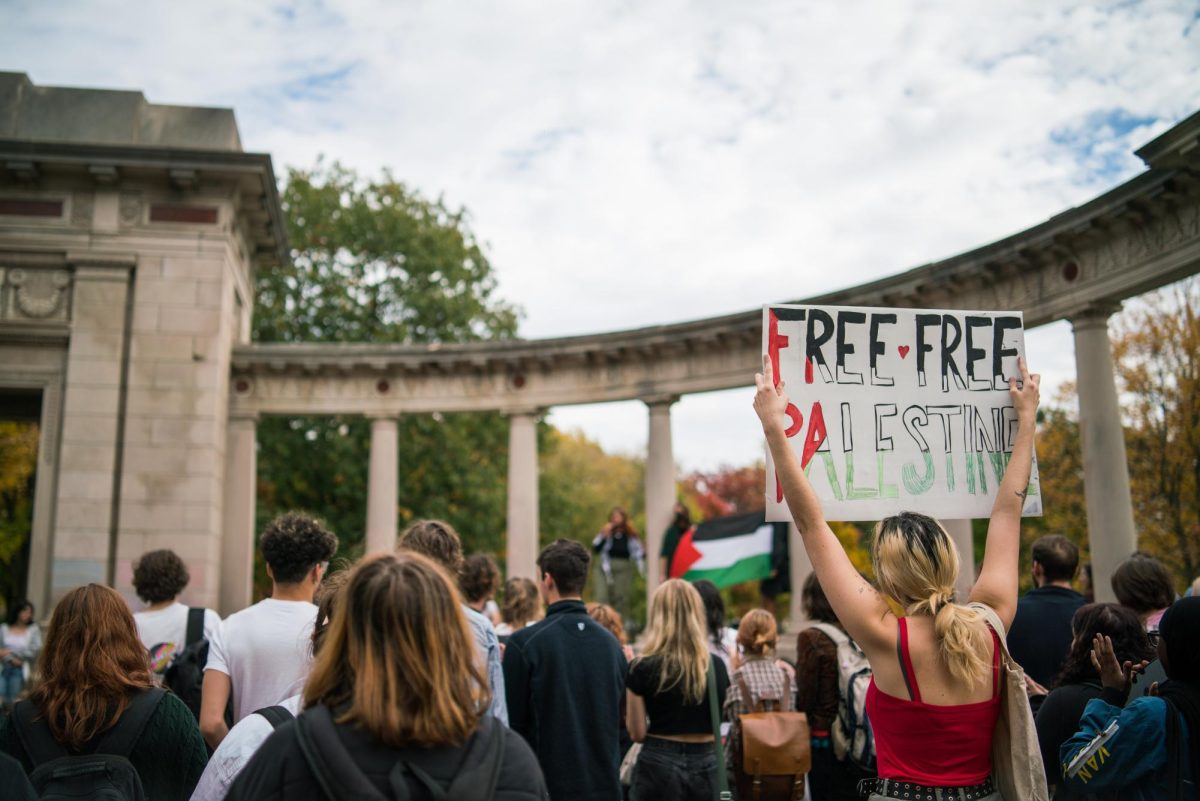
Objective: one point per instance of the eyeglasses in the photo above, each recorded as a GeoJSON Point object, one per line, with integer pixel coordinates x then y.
{"type": "Point", "coordinates": [1154, 637]}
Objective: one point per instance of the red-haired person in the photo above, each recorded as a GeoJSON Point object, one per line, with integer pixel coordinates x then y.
{"type": "Point", "coordinates": [96, 681]}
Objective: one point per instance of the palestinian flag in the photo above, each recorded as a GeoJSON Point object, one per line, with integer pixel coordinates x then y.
{"type": "Point", "coordinates": [728, 550]}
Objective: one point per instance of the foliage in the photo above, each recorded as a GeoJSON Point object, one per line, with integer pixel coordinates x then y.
{"type": "Point", "coordinates": [18, 462]}
{"type": "Point", "coordinates": [374, 261]}
{"type": "Point", "coordinates": [1157, 353]}
{"type": "Point", "coordinates": [725, 491]}
{"type": "Point", "coordinates": [1060, 470]}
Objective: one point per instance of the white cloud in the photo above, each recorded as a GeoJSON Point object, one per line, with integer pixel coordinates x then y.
{"type": "Point", "coordinates": [637, 163]}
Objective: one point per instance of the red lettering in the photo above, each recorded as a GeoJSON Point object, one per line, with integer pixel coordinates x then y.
{"type": "Point", "coordinates": [775, 343]}
{"type": "Point", "coordinates": [816, 434]}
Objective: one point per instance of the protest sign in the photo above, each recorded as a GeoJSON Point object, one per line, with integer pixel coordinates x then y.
{"type": "Point", "coordinates": [897, 409]}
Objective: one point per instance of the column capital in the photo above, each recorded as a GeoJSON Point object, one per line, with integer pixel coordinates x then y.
{"type": "Point", "coordinates": [524, 411]}
{"type": "Point", "coordinates": [662, 401]}
{"type": "Point", "coordinates": [1094, 315]}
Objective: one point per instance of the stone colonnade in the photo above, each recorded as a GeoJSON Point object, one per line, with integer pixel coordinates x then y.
{"type": "Point", "coordinates": [1109, 508]}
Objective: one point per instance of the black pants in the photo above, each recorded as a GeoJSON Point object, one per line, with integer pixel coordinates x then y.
{"type": "Point", "coordinates": [668, 770]}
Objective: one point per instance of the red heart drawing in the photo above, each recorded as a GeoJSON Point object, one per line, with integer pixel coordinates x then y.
{"type": "Point", "coordinates": [903, 351]}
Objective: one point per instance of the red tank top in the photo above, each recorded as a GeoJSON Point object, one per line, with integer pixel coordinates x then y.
{"type": "Point", "coordinates": [939, 746]}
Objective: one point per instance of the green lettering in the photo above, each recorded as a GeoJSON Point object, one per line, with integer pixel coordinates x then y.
{"type": "Point", "coordinates": [885, 490]}
{"type": "Point", "coordinates": [831, 473]}
{"type": "Point", "coordinates": [914, 484]}
{"type": "Point", "coordinates": [950, 472]}
{"type": "Point", "coordinates": [852, 492]}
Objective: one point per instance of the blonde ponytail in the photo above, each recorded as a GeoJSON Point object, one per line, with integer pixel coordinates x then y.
{"type": "Point", "coordinates": [916, 563]}
{"type": "Point", "coordinates": [961, 638]}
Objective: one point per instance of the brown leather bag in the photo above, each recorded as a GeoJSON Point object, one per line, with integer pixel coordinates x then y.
{"type": "Point", "coordinates": [774, 750]}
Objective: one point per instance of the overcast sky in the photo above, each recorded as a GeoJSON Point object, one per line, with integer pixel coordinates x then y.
{"type": "Point", "coordinates": [634, 163]}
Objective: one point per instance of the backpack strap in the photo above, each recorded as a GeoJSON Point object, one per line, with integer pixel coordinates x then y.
{"type": "Point", "coordinates": [195, 625]}
{"type": "Point", "coordinates": [906, 665]}
{"type": "Point", "coordinates": [121, 738]}
{"type": "Point", "coordinates": [747, 696]}
{"type": "Point", "coordinates": [838, 636]}
{"type": "Point", "coordinates": [336, 772]}
{"type": "Point", "coordinates": [39, 744]}
{"type": "Point", "coordinates": [276, 715]}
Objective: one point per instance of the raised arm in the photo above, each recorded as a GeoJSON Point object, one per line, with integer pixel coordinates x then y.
{"type": "Point", "coordinates": [859, 607]}
{"type": "Point", "coordinates": [997, 583]}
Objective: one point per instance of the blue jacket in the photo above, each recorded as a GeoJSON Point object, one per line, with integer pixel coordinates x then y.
{"type": "Point", "coordinates": [1122, 752]}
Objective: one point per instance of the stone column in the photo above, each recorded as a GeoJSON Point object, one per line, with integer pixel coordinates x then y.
{"type": "Point", "coordinates": [1111, 533]}
{"type": "Point", "coordinates": [960, 532]}
{"type": "Point", "coordinates": [660, 483]}
{"type": "Point", "coordinates": [237, 540]}
{"type": "Point", "coordinates": [522, 535]}
{"type": "Point", "coordinates": [382, 483]}
{"type": "Point", "coordinates": [800, 568]}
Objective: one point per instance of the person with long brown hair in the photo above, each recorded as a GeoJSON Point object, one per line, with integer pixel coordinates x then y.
{"type": "Point", "coordinates": [669, 684]}
{"type": "Point", "coordinates": [94, 671]}
{"type": "Point", "coordinates": [934, 698]}
{"type": "Point", "coordinates": [619, 552]}
{"type": "Point", "coordinates": [396, 698]}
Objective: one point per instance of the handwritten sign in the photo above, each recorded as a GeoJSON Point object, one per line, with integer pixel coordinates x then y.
{"type": "Point", "coordinates": [897, 409]}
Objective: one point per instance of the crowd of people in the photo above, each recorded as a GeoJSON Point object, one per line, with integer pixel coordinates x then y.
{"type": "Point", "coordinates": [402, 677]}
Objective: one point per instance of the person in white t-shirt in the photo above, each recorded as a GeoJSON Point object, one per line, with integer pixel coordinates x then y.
{"type": "Point", "coordinates": [158, 578]}
{"type": "Point", "coordinates": [252, 731]}
{"type": "Point", "coordinates": [261, 655]}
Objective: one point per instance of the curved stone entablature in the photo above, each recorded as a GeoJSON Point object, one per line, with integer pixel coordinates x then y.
{"type": "Point", "coordinates": [1137, 237]}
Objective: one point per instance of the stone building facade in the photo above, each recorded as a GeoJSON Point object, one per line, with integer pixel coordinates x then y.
{"type": "Point", "coordinates": [129, 236]}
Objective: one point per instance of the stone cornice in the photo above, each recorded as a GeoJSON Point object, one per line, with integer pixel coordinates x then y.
{"type": "Point", "coordinates": [169, 162]}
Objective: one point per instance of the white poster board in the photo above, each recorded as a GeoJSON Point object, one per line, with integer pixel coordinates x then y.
{"type": "Point", "coordinates": [897, 409]}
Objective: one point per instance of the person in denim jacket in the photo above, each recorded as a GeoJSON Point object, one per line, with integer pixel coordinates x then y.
{"type": "Point", "coordinates": [1149, 749]}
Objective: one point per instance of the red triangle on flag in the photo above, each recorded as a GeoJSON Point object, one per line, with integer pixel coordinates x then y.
{"type": "Point", "coordinates": [686, 554]}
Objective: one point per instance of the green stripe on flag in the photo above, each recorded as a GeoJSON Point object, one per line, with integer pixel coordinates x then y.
{"type": "Point", "coordinates": [753, 568]}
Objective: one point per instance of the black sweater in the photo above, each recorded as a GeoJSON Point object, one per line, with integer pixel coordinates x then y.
{"type": "Point", "coordinates": [565, 681]}
{"type": "Point", "coordinates": [278, 770]}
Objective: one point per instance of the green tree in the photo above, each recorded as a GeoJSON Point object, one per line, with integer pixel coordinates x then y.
{"type": "Point", "coordinates": [18, 462]}
{"type": "Point", "coordinates": [375, 261]}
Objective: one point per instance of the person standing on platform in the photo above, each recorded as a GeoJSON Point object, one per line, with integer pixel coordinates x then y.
{"type": "Point", "coordinates": [1041, 632]}
{"type": "Point", "coordinates": [565, 678]}
{"type": "Point", "coordinates": [619, 551]}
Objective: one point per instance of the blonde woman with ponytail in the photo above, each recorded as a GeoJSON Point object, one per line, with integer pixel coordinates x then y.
{"type": "Point", "coordinates": [934, 699]}
{"type": "Point", "coordinates": [668, 684]}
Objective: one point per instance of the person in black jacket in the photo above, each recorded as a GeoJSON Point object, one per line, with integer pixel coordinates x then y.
{"type": "Point", "coordinates": [1079, 682]}
{"type": "Point", "coordinates": [396, 698]}
{"type": "Point", "coordinates": [565, 678]}
{"type": "Point", "coordinates": [1040, 634]}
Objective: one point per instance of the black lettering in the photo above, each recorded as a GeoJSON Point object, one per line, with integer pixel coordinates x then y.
{"type": "Point", "coordinates": [847, 429]}
{"type": "Point", "coordinates": [789, 314]}
{"type": "Point", "coordinates": [813, 342]}
{"type": "Point", "coordinates": [844, 348]}
{"type": "Point", "coordinates": [999, 326]}
{"type": "Point", "coordinates": [882, 441]}
{"type": "Point", "coordinates": [924, 320]}
{"type": "Point", "coordinates": [913, 418]}
{"type": "Point", "coordinates": [975, 354]}
{"type": "Point", "coordinates": [949, 345]}
{"type": "Point", "coordinates": [878, 349]}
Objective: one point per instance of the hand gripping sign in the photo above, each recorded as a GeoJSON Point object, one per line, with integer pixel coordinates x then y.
{"type": "Point", "coordinates": [897, 409]}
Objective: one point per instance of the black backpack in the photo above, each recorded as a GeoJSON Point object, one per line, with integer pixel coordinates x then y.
{"type": "Point", "coordinates": [104, 773]}
{"type": "Point", "coordinates": [340, 778]}
{"type": "Point", "coordinates": [185, 675]}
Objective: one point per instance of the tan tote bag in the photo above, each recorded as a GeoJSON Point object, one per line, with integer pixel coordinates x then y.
{"type": "Point", "coordinates": [1016, 756]}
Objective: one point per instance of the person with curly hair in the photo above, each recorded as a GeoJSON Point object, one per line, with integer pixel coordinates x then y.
{"type": "Point", "coordinates": [479, 581]}
{"type": "Point", "coordinates": [1079, 682]}
{"type": "Point", "coordinates": [158, 578]}
{"type": "Point", "coordinates": [439, 541]}
{"type": "Point", "coordinates": [261, 654]}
